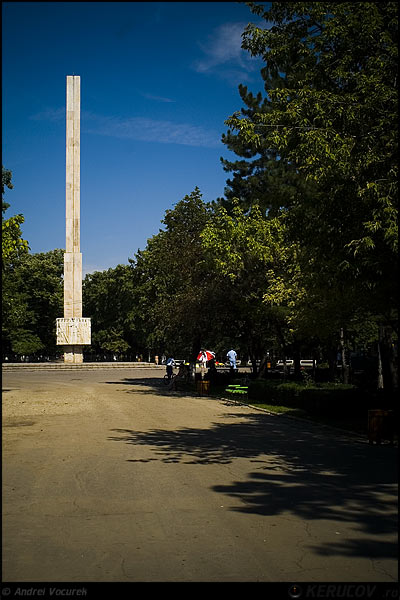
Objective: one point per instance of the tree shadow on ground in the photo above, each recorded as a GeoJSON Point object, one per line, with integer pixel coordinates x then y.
{"type": "Point", "coordinates": [153, 385]}
{"type": "Point", "coordinates": [300, 468]}
{"type": "Point", "coordinates": [151, 382]}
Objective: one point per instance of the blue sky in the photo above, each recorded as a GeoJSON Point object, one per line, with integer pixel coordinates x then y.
{"type": "Point", "coordinates": [158, 80]}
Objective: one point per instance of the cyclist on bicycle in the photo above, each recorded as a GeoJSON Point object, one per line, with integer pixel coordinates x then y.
{"type": "Point", "coordinates": [170, 367]}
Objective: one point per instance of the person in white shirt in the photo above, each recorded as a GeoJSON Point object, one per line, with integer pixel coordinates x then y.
{"type": "Point", "coordinates": [232, 356]}
{"type": "Point", "coordinates": [202, 358]}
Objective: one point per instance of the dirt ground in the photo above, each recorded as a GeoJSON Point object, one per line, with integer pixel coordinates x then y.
{"type": "Point", "coordinates": [107, 476]}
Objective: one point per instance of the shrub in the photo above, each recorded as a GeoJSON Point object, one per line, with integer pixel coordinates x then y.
{"type": "Point", "coordinates": [329, 399]}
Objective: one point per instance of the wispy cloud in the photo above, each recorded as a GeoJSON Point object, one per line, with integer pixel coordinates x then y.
{"type": "Point", "coordinates": [139, 128]}
{"type": "Point", "coordinates": [157, 98]}
{"type": "Point", "coordinates": [151, 130]}
{"type": "Point", "coordinates": [49, 114]}
{"type": "Point", "coordinates": [223, 55]}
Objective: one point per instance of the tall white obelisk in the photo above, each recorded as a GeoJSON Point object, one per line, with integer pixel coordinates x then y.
{"type": "Point", "coordinates": [73, 331]}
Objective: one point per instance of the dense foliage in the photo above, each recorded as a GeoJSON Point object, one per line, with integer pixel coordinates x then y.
{"type": "Point", "coordinates": [321, 148]}
{"type": "Point", "coordinates": [12, 244]}
{"type": "Point", "coordinates": [32, 301]}
{"type": "Point", "coordinates": [31, 290]}
{"type": "Point", "coordinates": [108, 298]}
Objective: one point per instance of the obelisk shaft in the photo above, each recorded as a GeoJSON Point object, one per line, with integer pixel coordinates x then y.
{"type": "Point", "coordinates": [73, 256]}
{"type": "Point", "coordinates": [73, 331]}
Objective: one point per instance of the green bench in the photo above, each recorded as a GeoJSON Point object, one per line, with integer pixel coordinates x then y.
{"type": "Point", "coordinates": [237, 390]}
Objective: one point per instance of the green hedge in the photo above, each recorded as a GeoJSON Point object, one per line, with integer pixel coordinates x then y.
{"type": "Point", "coordinates": [329, 398]}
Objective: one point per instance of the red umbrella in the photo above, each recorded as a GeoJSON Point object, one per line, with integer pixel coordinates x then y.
{"type": "Point", "coordinates": [207, 354]}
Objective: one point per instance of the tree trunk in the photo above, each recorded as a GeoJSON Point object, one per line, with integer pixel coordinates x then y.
{"type": "Point", "coordinates": [254, 366]}
{"type": "Point", "coordinates": [345, 366]}
{"type": "Point", "coordinates": [263, 366]}
{"type": "Point", "coordinates": [332, 361]}
{"type": "Point", "coordinates": [380, 372]}
{"type": "Point", "coordinates": [252, 359]}
{"type": "Point", "coordinates": [196, 345]}
{"type": "Point", "coordinates": [296, 359]}
{"type": "Point", "coordinates": [387, 374]}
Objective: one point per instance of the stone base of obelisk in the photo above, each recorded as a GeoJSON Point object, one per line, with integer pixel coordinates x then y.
{"type": "Point", "coordinates": [72, 334]}
{"type": "Point", "coordinates": [73, 354]}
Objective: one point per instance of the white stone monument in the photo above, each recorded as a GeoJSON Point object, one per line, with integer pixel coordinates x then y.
{"type": "Point", "coordinates": [73, 331]}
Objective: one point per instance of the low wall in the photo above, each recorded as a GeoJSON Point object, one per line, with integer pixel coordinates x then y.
{"type": "Point", "coordinates": [50, 366]}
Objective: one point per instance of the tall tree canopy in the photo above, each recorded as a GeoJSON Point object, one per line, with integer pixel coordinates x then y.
{"type": "Point", "coordinates": [320, 145]}
{"type": "Point", "coordinates": [261, 277]}
{"type": "Point", "coordinates": [175, 279]}
{"type": "Point", "coordinates": [330, 113]}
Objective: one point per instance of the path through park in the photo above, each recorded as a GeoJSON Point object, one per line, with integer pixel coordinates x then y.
{"type": "Point", "coordinates": [109, 477]}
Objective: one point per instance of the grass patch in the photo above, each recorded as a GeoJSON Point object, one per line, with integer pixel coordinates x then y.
{"type": "Point", "coordinates": [281, 399]}
{"type": "Point", "coordinates": [353, 424]}
{"type": "Point", "coordinates": [332, 404]}
{"type": "Point", "coordinates": [280, 410]}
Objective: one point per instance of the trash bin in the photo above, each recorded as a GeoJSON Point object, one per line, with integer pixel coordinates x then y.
{"type": "Point", "coordinates": [203, 387]}
{"type": "Point", "coordinates": [380, 425]}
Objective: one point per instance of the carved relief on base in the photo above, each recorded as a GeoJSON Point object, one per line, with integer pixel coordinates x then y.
{"type": "Point", "coordinates": [73, 331]}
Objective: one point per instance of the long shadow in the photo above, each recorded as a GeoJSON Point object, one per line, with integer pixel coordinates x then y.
{"type": "Point", "coordinates": [153, 382]}
{"type": "Point", "coordinates": [154, 385]}
{"type": "Point", "coordinates": [300, 468]}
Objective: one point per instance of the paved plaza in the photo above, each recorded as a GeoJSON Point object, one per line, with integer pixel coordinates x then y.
{"type": "Point", "coordinates": [107, 476]}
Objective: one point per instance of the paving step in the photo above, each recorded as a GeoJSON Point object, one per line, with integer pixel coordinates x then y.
{"type": "Point", "coordinates": [47, 366]}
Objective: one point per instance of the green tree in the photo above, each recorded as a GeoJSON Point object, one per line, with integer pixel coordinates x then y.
{"type": "Point", "coordinates": [178, 294]}
{"type": "Point", "coordinates": [6, 177]}
{"type": "Point", "coordinates": [108, 300]}
{"type": "Point", "coordinates": [13, 245]}
{"type": "Point", "coordinates": [329, 119]}
{"type": "Point", "coordinates": [32, 301]}
{"type": "Point", "coordinates": [262, 277]}
{"type": "Point", "coordinates": [334, 117]}
{"type": "Point", "coordinates": [261, 177]}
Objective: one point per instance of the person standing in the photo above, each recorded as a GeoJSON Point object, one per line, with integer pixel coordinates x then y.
{"type": "Point", "coordinates": [232, 356]}
{"type": "Point", "coordinates": [202, 358]}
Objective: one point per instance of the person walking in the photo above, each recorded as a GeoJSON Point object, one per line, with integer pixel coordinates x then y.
{"type": "Point", "coordinates": [232, 356]}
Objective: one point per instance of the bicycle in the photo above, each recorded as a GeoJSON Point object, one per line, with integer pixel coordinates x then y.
{"type": "Point", "coordinates": [167, 380]}
{"type": "Point", "coordinates": [186, 378]}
